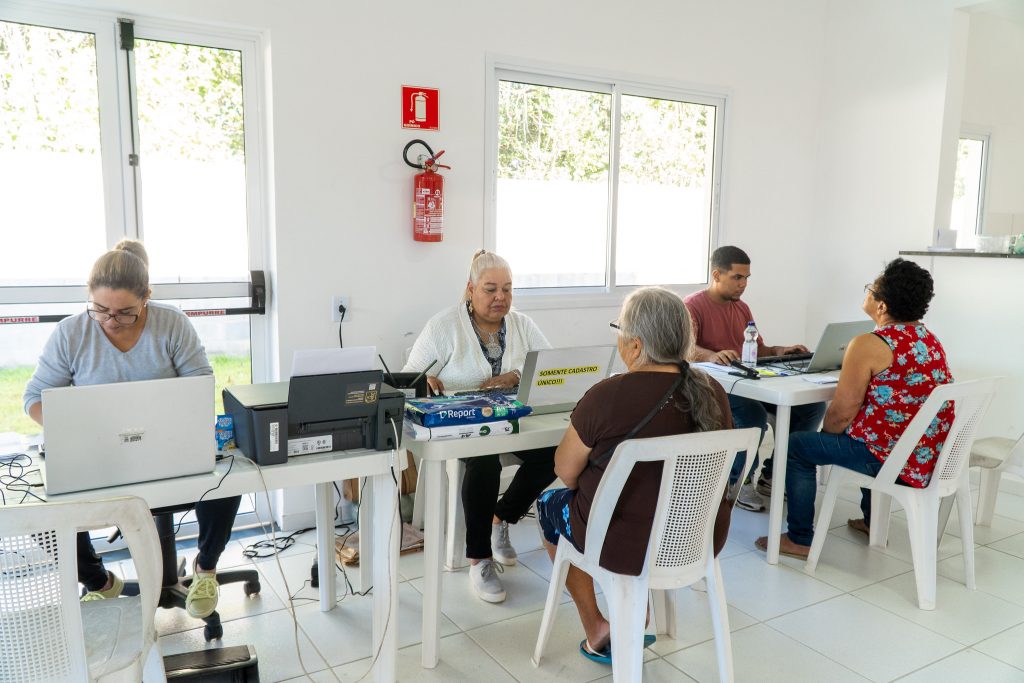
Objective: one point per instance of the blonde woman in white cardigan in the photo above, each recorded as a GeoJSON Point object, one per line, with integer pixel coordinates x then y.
{"type": "Point", "coordinates": [482, 344]}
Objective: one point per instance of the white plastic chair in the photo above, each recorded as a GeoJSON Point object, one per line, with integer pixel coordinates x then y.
{"type": "Point", "coordinates": [995, 455]}
{"type": "Point", "coordinates": [679, 553]}
{"type": "Point", "coordinates": [46, 634]}
{"type": "Point", "coordinates": [971, 400]}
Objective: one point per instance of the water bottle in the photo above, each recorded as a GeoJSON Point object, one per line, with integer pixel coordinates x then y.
{"type": "Point", "coordinates": [749, 356]}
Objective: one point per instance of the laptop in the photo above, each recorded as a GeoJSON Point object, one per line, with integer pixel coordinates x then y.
{"type": "Point", "coordinates": [554, 380]}
{"type": "Point", "coordinates": [104, 435]}
{"type": "Point", "coordinates": [828, 354]}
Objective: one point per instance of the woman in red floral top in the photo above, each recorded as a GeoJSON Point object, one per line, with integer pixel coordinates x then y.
{"type": "Point", "coordinates": [886, 376]}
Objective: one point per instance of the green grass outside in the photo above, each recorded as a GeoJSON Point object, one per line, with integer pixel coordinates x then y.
{"type": "Point", "coordinates": [228, 371]}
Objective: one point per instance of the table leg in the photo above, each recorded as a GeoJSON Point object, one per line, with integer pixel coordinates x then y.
{"type": "Point", "coordinates": [325, 545]}
{"type": "Point", "coordinates": [367, 528]}
{"type": "Point", "coordinates": [778, 482]}
{"type": "Point", "coordinates": [386, 538]}
{"type": "Point", "coordinates": [433, 545]}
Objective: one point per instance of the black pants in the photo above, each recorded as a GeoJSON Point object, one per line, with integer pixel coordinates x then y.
{"type": "Point", "coordinates": [215, 518]}
{"type": "Point", "coordinates": [480, 494]}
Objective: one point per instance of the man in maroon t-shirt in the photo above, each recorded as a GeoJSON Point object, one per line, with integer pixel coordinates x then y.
{"type": "Point", "coordinates": [719, 319]}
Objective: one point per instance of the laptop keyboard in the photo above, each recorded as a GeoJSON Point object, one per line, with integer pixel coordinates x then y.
{"type": "Point", "coordinates": [497, 393]}
{"type": "Point", "coordinates": [796, 359]}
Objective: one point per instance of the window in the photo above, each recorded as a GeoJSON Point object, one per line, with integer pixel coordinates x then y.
{"type": "Point", "coordinates": [113, 128]}
{"type": "Point", "coordinates": [969, 185]}
{"type": "Point", "coordinates": [602, 184]}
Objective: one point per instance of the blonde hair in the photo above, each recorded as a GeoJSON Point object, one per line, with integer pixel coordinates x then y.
{"type": "Point", "coordinates": [484, 260]}
{"type": "Point", "coordinates": [126, 266]}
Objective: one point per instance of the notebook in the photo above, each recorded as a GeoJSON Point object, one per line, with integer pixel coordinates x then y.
{"type": "Point", "coordinates": [828, 354]}
{"type": "Point", "coordinates": [554, 380]}
{"type": "Point", "coordinates": [113, 434]}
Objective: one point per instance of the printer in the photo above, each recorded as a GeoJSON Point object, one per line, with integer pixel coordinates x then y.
{"type": "Point", "coordinates": [315, 413]}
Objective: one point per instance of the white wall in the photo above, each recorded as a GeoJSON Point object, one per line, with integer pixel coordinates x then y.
{"type": "Point", "coordinates": [993, 102]}
{"type": "Point", "coordinates": [342, 192]}
{"type": "Point", "coordinates": [879, 134]}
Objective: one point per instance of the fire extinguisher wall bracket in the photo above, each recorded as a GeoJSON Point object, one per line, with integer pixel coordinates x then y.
{"type": "Point", "coordinates": [427, 196]}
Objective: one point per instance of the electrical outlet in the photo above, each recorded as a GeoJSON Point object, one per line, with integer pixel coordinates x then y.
{"type": "Point", "coordinates": [335, 313]}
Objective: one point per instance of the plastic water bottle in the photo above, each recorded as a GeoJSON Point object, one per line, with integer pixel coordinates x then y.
{"type": "Point", "coordinates": [749, 356]}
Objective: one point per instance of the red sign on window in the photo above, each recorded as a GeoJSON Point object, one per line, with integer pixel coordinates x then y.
{"type": "Point", "coordinates": [419, 107]}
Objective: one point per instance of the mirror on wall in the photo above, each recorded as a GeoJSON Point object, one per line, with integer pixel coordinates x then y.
{"type": "Point", "coordinates": [987, 175]}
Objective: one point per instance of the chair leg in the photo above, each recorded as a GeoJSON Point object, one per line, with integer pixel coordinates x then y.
{"type": "Point", "coordinates": [558, 573]}
{"type": "Point", "coordinates": [945, 508]}
{"type": "Point", "coordinates": [627, 607]}
{"type": "Point", "coordinates": [153, 669]}
{"type": "Point", "coordinates": [963, 511]}
{"type": "Point", "coordinates": [417, 499]}
{"type": "Point", "coordinates": [664, 602]}
{"type": "Point", "coordinates": [881, 511]}
{"type": "Point", "coordinates": [922, 523]}
{"type": "Point", "coordinates": [720, 620]}
{"type": "Point", "coordinates": [828, 504]}
{"type": "Point", "coordinates": [455, 554]}
{"type": "Point", "coordinates": [987, 495]}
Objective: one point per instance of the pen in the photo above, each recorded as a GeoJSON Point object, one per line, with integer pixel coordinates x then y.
{"type": "Point", "coordinates": [420, 376]}
{"type": "Point", "coordinates": [390, 376]}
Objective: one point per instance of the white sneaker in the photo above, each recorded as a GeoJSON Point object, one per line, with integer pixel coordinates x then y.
{"type": "Point", "coordinates": [501, 547]}
{"type": "Point", "coordinates": [750, 499]}
{"type": "Point", "coordinates": [484, 577]}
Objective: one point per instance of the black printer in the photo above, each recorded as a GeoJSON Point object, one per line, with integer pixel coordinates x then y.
{"type": "Point", "coordinates": [315, 413]}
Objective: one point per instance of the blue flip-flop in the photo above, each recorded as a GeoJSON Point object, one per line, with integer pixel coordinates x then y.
{"type": "Point", "coordinates": [605, 655]}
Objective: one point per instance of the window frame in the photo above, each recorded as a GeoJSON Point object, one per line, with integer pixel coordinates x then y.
{"type": "Point", "coordinates": [120, 187]}
{"type": "Point", "coordinates": [985, 138]}
{"type": "Point", "coordinates": [501, 68]}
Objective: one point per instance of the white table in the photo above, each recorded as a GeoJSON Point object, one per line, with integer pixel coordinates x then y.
{"type": "Point", "coordinates": [783, 392]}
{"type": "Point", "coordinates": [320, 469]}
{"type": "Point", "coordinates": [537, 431]}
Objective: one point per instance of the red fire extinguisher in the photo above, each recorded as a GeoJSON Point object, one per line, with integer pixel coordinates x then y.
{"type": "Point", "coordinates": [427, 195]}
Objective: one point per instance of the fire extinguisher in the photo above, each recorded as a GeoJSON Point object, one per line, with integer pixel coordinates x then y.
{"type": "Point", "coordinates": [427, 195]}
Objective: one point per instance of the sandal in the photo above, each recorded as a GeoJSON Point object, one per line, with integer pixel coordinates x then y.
{"type": "Point", "coordinates": [859, 525]}
{"type": "Point", "coordinates": [762, 544]}
{"type": "Point", "coordinates": [605, 655]}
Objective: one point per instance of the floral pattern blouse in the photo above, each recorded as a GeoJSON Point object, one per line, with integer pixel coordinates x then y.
{"type": "Point", "coordinates": [895, 395]}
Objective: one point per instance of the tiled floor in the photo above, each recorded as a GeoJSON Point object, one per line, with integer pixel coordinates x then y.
{"type": "Point", "coordinates": [856, 619]}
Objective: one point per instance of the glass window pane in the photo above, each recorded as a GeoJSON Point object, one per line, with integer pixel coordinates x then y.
{"type": "Point", "coordinates": [967, 186]}
{"type": "Point", "coordinates": [51, 177]}
{"type": "Point", "coordinates": [192, 161]}
{"type": "Point", "coordinates": [666, 163]}
{"type": "Point", "coordinates": [552, 188]}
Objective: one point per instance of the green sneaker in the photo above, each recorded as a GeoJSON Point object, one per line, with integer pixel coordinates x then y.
{"type": "Point", "coordinates": [116, 584]}
{"type": "Point", "coordinates": [201, 600]}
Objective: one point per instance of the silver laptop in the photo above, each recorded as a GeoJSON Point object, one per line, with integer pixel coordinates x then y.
{"type": "Point", "coordinates": [113, 434]}
{"type": "Point", "coordinates": [554, 380]}
{"type": "Point", "coordinates": [828, 354]}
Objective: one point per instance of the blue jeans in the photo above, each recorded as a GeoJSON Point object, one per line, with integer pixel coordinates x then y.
{"type": "Point", "coordinates": [807, 450]}
{"type": "Point", "coordinates": [747, 412]}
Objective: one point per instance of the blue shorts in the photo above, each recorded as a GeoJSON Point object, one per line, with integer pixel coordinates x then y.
{"type": "Point", "coordinates": [553, 515]}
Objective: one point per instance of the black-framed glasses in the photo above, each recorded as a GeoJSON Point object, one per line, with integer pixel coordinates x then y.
{"type": "Point", "coordinates": [868, 290]}
{"type": "Point", "coordinates": [121, 318]}
{"type": "Point", "coordinates": [614, 324]}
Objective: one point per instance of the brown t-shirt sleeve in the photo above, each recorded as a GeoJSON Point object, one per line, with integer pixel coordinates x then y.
{"type": "Point", "coordinates": [587, 417]}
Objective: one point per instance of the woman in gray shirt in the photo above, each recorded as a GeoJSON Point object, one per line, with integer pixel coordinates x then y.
{"type": "Point", "coordinates": [122, 336]}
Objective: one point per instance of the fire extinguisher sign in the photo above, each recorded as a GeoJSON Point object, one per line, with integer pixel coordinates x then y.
{"type": "Point", "coordinates": [419, 107]}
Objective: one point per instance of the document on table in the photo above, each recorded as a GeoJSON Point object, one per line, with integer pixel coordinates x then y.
{"type": "Point", "coordinates": [821, 379]}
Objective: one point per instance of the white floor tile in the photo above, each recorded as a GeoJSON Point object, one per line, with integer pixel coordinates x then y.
{"type": "Point", "coordinates": [1012, 545]}
{"type": "Point", "coordinates": [526, 592]}
{"type": "Point", "coordinates": [995, 572]}
{"type": "Point", "coordinates": [1002, 527]}
{"type": "Point", "coordinates": [693, 620]}
{"type": "Point", "coordinates": [658, 671]}
{"type": "Point", "coordinates": [1005, 647]}
{"type": "Point", "coordinates": [849, 566]}
{"type": "Point", "coordinates": [764, 591]}
{"type": "Point", "coordinates": [964, 615]}
{"type": "Point", "coordinates": [966, 666]}
{"type": "Point", "coordinates": [760, 653]}
{"type": "Point", "coordinates": [864, 638]}
{"type": "Point", "coordinates": [1009, 505]}
{"type": "Point", "coordinates": [899, 540]}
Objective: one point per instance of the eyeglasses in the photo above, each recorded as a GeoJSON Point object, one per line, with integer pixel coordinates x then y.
{"type": "Point", "coordinates": [868, 290]}
{"type": "Point", "coordinates": [121, 318]}
{"type": "Point", "coordinates": [614, 324]}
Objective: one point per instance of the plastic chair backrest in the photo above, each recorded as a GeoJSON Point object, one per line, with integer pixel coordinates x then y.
{"type": "Point", "coordinates": [688, 500]}
{"type": "Point", "coordinates": [1014, 462]}
{"type": "Point", "coordinates": [41, 635]}
{"type": "Point", "coordinates": [970, 401]}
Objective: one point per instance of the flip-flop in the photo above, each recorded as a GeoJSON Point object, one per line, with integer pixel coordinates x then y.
{"type": "Point", "coordinates": [859, 526]}
{"type": "Point", "coordinates": [605, 655]}
{"type": "Point", "coordinates": [764, 547]}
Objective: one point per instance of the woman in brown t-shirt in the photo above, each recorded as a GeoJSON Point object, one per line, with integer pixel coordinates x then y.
{"type": "Point", "coordinates": [655, 337]}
